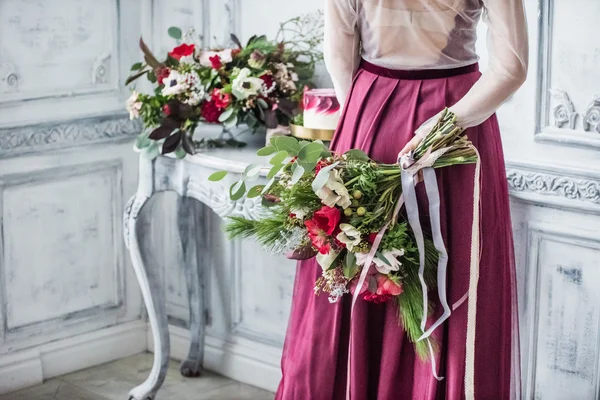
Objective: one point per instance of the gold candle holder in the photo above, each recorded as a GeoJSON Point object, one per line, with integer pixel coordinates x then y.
{"type": "Point", "coordinates": [311, 134]}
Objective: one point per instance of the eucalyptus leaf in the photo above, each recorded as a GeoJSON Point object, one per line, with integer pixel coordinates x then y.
{"type": "Point", "coordinates": [298, 172]}
{"type": "Point", "coordinates": [142, 141]}
{"type": "Point", "coordinates": [217, 176]}
{"type": "Point", "coordinates": [357, 155]}
{"type": "Point", "coordinates": [175, 32]}
{"type": "Point", "coordinates": [237, 190]}
{"type": "Point", "coordinates": [310, 152]}
{"type": "Point", "coordinates": [152, 151]}
{"type": "Point", "coordinates": [252, 172]}
{"type": "Point", "coordinates": [322, 177]}
{"type": "Point", "coordinates": [231, 122]}
{"type": "Point", "coordinates": [287, 143]}
{"type": "Point", "coordinates": [262, 103]}
{"type": "Point", "coordinates": [350, 267]}
{"type": "Point", "coordinates": [255, 191]}
{"type": "Point", "coordinates": [268, 186]}
{"type": "Point", "coordinates": [279, 157]}
{"type": "Point", "coordinates": [226, 114]}
{"type": "Point", "coordinates": [137, 66]}
{"type": "Point", "coordinates": [273, 171]}
{"type": "Point", "coordinates": [266, 151]}
{"type": "Point", "coordinates": [180, 152]}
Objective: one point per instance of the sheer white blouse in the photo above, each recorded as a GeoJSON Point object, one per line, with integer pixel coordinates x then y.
{"type": "Point", "coordinates": [430, 34]}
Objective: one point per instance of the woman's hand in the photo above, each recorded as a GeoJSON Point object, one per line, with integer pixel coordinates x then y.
{"type": "Point", "coordinates": [410, 146]}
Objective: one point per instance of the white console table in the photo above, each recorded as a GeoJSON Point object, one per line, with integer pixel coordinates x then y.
{"type": "Point", "coordinates": [188, 178]}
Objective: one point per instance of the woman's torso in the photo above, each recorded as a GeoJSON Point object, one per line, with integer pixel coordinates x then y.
{"type": "Point", "coordinates": [418, 34]}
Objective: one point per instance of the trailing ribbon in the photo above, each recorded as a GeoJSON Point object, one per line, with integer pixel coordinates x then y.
{"type": "Point", "coordinates": [409, 169]}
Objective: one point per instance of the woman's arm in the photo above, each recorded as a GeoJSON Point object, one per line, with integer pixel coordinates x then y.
{"type": "Point", "coordinates": [341, 45]}
{"type": "Point", "coordinates": [509, 50]}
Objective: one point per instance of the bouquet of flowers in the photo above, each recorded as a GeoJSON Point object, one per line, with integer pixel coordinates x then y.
{"type": "Point", "coordinates": [343, 209]}
{"type": "Point", "coordinates": [259, 84]}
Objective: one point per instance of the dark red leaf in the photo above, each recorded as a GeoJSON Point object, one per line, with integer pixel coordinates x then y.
{"type": "Point", "coordinates": [270, 119]}
{"type": "Point", "coordinates": [171, 143]}
{"type": "Point", "coordinates": [235, 40]}
{"type": "Point", "coordinates": [134, 77]}
{"type": "Point", "coordinates": [149, 57]}
{"type": "Point", "coordinates": [188, 143]}
{"type": "Point", "coordinates": [161, 132]}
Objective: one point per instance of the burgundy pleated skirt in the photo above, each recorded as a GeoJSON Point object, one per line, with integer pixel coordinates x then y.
{"type": "Point", "coordinates": [383, 110]}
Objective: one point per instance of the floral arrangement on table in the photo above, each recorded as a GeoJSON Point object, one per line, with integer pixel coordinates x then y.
{"type": "Point", "coordinates": [343, 209]}
{"type": "Point", "coordinates": [259, 84]}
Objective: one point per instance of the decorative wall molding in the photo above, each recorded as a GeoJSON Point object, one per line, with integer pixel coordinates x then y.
{"type": "Point", "coordinates": [564, 111]}
{"type": "Point", "coordinates": [101, 69]}
{"type": "Point", "coordinates": [9, 80]}
{"type": "Point", "coordinates": [35, 138]}
{"type": "Point", "coordinates": [585, 190]}
{"type": "Point", "coordinates": [591, 118]}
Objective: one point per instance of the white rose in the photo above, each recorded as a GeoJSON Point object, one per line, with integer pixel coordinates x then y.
{"type": "Point", "coordinates": [325, 260]}
{"type": "Point", "coordinates": [133, 105]}
{"type": "Point", "coordinates": [349, 235]}
{"type": "Point", "coordinates": [334, 192]}
{"type": "Point", "coordinates": [244, 85]}
{"type": "Point", "coordinates": [381, 266]}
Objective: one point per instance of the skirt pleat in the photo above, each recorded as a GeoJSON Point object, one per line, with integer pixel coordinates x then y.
{"type": "Point", "coordinates": [380, 117]}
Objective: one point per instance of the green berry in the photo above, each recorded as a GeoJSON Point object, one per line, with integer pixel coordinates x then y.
{"type": "Point", "coordinates": [360, 211]}
{"type": "Point", "coordinates": [355, 203]}
{"type": "Point", "coordinates": [357, 194]}
{"type": "Point", "coordinates": [348, 212]}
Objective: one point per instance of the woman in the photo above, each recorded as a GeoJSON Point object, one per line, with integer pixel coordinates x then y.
{"type": "Point", "coordinates": [396, 64]}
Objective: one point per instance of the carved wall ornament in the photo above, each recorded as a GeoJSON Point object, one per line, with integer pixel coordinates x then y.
{"type": "Point", "coordinates": [101, 69]}
{"type": "Point", "coordinates": [18, 140]}
{"type": "Point", "coordinates": [548, 184]}
{"type": "Point", "coordinates": [591, 119]}
{"type": "Point", "coordinates": [564, 112]}
{"type": "Point", "coordinates": [566, 115]}
{"type": "Point", "coordinates": [9, 79]}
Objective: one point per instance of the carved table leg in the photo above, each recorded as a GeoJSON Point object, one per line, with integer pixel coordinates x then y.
{"type": "Point", "coordinates": [194, 275]}
{"type": "Point", "coordinates": [153, 294]}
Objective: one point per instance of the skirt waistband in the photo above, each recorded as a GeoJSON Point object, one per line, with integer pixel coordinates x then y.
{"type": "Point", "coordinates": [418, 74]}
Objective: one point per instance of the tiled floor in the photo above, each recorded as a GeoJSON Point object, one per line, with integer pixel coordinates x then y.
{"type": "Point", "coordinates": [113, 381]}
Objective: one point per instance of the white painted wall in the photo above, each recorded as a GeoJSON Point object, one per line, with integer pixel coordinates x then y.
{"type": "Point", "coordinates": [68, 297]}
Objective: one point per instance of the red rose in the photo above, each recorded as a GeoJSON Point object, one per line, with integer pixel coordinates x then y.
{"type": "Point", "coordinates": [327, 219]}
{"type": "Point", "coordinates": [216, 61]}
{"type": "Point", "coordinates": [210, 112]}
{"type": "Point", "coordinates": [372, 236]}
{"type": "Point", "coordinates": [166, 110]}
{"type": "Point", "coordinates": [162, 73]}
{"type": "Point", "coordinates": [182, 51]}
{"type": "Point", "coordinates": [222, 100]}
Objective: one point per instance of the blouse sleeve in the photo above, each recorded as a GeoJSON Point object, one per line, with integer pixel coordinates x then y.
{"type": "Point", "coordinates": [341, 45]}
{"type": "Point", "coordinates": [509, 49]}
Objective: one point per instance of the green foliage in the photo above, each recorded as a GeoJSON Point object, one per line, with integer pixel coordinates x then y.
{"type": "Point", "coordinates": [266, 231]}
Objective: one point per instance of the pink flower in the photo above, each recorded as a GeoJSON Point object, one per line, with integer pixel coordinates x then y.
{"type": "Point", "coordinates": [222, 100]}
{"type": "Point", "coordinates": [216, 62]}
{"type": "Point", "coordinates": [386, 286]}
{"type": "Point", "coordinates": [327, 218]}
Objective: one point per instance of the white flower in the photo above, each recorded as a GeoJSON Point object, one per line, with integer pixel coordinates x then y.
{"type": "Point", "coordinates": [133, 105]}
{"type": "Point", "coordinates": [325, 260]}
{"type": "Point", "coordinates": [393, 264]}
{"type": "Point", "coordinates": [294, 77]}
{"type": "Point", "coordinates": [174, 84]}
{"type": "Point", "coordinates": [334, 192]}
{"type": "Point", "coordinates": [187, 59]}
{"type": "Point", "coordinates": [300, 213]}
{"type": "Point", "coordinates": [224, 55]}
{"type": "Point", "coordinates": [349, 235]}
{"type": "Point", "coordinates": [244, 85]}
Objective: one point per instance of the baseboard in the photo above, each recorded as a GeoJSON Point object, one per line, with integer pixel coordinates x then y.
{"type": "Point", "coordinates": [32, 366]}
{"type": "Point", "coordinates": [240, 359]}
